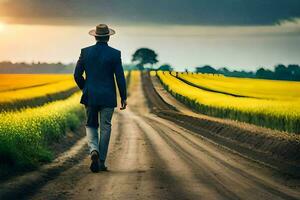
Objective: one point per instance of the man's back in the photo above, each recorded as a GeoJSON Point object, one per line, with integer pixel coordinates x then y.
{"type": "Point", "coordinates": [100, 63]}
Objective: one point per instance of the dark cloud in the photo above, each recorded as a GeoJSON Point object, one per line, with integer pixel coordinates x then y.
{"type": "Point", "coordinates": [191, 12]}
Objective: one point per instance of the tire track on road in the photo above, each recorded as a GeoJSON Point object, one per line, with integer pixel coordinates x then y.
{"type": "Point", "coordinates": [228, 180]}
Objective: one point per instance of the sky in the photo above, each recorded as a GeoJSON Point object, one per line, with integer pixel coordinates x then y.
{"type": "Point", "coordinates": [238, 34]}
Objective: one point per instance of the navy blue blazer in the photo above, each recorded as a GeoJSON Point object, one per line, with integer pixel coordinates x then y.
{"type": "Point", "coordinates": [100, 63]}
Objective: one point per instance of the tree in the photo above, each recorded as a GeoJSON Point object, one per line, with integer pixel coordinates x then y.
{"type": "Point", "coordinates": [224, 71]}
{"type": "Point", "coordinates": [282, 72]}
{"type": "Point", "coordinates": [206, 69]}
{"type": "Point", "coordinates": [264, 73]}
{"type": "Point", "coordinates": [165, 67]}
{"type": "Point", "coordinates": [144, 56]}
{"type": "Point", "coordinates": [294, 71]}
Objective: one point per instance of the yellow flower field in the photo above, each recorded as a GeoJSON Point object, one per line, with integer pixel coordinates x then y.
{"type": "Point", "coordinates": [31, 90]}
{"type": "Point", "coordinates": [279, 113]}
{"type": "Point", "coordinates": [259, 88]}
{"type": "Point", "coordinates": [21, 81]}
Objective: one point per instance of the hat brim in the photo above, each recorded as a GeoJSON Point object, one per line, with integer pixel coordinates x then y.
{"type": "Point", "coordinates": [93, 33]}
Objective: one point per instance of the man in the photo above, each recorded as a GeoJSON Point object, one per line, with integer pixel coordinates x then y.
{"type": "Point", "coordinates": [100, 63]}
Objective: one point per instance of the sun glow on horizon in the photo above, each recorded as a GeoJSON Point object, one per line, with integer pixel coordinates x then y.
{"type": "Point", "coordinates": [2, 26]}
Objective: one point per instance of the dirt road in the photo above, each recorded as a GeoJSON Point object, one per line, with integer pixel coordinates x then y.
{"type": "Point", "coordinates": [152, 158]}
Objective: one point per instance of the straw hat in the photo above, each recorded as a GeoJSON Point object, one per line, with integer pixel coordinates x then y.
{"type": "Point", "coordinates": [101, 31]}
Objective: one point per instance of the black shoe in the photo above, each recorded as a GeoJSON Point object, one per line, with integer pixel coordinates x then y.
{"type": "Point", "coordinates": [95, 162]}
{"type": "Point", "coordinates": [102, 166]}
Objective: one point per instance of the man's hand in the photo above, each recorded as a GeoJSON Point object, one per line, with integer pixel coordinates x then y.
{"type": "Point", "coordinates": [123, 105]}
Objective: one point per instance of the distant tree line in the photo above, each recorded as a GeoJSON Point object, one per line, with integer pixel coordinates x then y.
{"type": "Point", "coordinates": [144, 57]}
{"type": "Point", "coordinates": [35, 67]}
{"type": "Point", "coordinates": [280, 72]}
{"type": "Point", "coordinates": [36, 64]}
